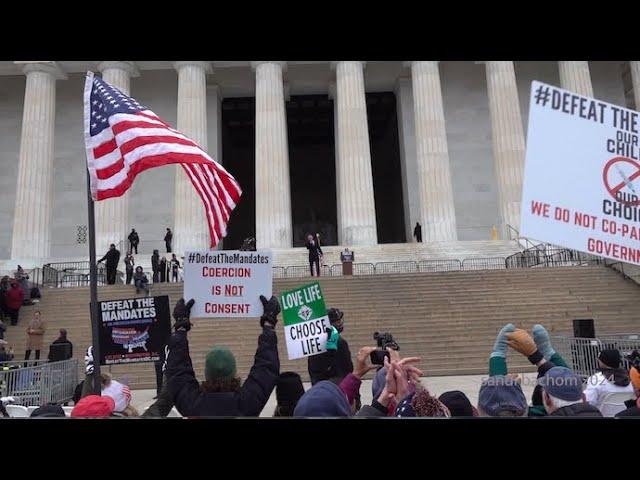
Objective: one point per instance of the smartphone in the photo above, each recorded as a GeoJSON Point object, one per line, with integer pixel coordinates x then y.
{"type": "Point", "coordinates": [377, 357]}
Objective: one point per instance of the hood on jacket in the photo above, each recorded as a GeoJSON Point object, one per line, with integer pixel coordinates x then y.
{"type": "Point", "coordinates": [324, 399]}
{"type": "Point", "coordinates": [619, 376]}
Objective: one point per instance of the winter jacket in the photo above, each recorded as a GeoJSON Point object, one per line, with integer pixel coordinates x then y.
{"type": "Point", "coordinates": [331, 364]}
{"type": "Point", "coordinates": [374, 410]}
{"type": "Point", "coordinates": [314, 251]}
{"type": "Point", "coordinates": [632, 410]}
{"type": "Point", "coordinates": [168, 237]}
{"type": "Point", "coordinates": [34, 338]}
{"type": "Point", "coordinates": [14, 297]}
{"type": "Point", "coordinates": [129, 263]}
{"type": "Point", "coordinates": [191, 400]}
{"type": "Point", "coordinates": [582, 409]}
{"type": "Point", "coordinates": [603, 383]}
{"type": "Point", "coordinates": [155, 262]}
{"type": "Point", "coordinates": [112, 257]}
{"type": "Point", "coordinates": [134, 238]}
{"type": "Point", "coordinates": [56, 354]}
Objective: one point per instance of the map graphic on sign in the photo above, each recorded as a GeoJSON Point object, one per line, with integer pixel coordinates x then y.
{"type": "Point", "coordinates": [130, 338]}
{"type": "Point", "coordinates": [305, 321]}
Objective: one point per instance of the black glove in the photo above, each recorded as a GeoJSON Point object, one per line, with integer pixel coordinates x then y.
{"type": "Point", "coordinates": [271, 310]}
{"type": "Point", "coordinates": [182, 324]}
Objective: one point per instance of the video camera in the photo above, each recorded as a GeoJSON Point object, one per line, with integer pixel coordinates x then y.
{"type": "Point", "coordinates": [384, 341]}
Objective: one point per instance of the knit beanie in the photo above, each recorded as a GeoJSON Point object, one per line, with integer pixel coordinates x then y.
{"type": "Point", "coordinates": [219, 364]}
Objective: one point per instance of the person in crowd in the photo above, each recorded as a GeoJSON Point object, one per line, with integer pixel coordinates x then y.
{"type": "Point", "coordinates": [315, 252]}
{"type": "Point", "coordinates": [563, 396]}
{"type": "Point", "coordinates": [3, 328]}
{"type": "Point", "coordinates": [168, 238]}
{"type": "Point", "coordinates": [458, 404]}
{"type": "Point", "coordinates": [155, 266]}
{"type": "Point", "coordinates": [4, 401]}
{"type": "Point", "coordinates": [222, 393]}
{"type": "Point", "coordinates": [417, 232]}
{"type": "Point", "coordinates": [289, 390]}
{"type": "Point", "coordinates": [610, 378]}
{"type": "Point", "coordinates": [134, 240]}
{"type": "Point", "coordinates": [4, 287]}
{"type": "Point", "coordinates": [335, 362]}
{"type": "Point", "coordinates": [6, 353]}
{"type": "Point", "coordinates": [129, 263]}
{"type": "Point", "coordinates": [347, 256]}
{"type": "Point", "coordinates": [502, 396]}
{"type": "Point", "coordinates": [94, 406]}
{"type": "Point", "coordinates": [13, 302]}
{"type": "Point", "coordinates": [61, 348]}
{"type": "Point", "coordinates": [23, 279]}
{"type": "Point", "coordinates": [422, 404]}
{"type": "Point", "coordinates": [141, 281]}
{"type": "Point", "coordinates": [633, 405]}
{"type": "Point", "coordinates": [113, 258]}
{"type": "Point", "coordinates": [51, 410]}
{"type": "Point", "coordinates": [35, 334]}
{"type": "Point", "coordinates": [175, 267]}
{"type": "Point", "coordinates": [163, 269]}
{"type": "Point", "coordinates": [331, 399]}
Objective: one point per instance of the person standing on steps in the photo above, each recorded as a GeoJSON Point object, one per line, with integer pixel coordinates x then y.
{"type": "Point", "coordinates": [134, 240]}
{"type": "Point", "coordinates": [163, 269]}
{"type": "Point", "coordinates": [315, 252]}
{"type": "Point", "coordinates": [417, 232]}
{"type": "Point", "coordinates": [155, 266]}
{"type": "Point", "coordinates": [175, 267]}
{"type": "Point", "coordinates": [113, 258]}
{"type": "Point", "coordinates": [35, 334]}
{"type": "Point", "coordinates": [167, 240]}
{"type": "Point", "coordinates": [129, 263]}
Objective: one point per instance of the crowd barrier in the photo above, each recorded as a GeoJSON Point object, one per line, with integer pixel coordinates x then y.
{"type": "Point", "coordinates": [39, 383]}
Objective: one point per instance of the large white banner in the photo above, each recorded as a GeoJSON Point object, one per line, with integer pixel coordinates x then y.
{"type": "Point", "coordinates": [227, 283]}
{"type": "Point", "coordinates": [581, 188]}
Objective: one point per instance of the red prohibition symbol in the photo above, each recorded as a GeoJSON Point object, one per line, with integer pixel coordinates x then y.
{"type": "Point", "coordinates": [616, 180]}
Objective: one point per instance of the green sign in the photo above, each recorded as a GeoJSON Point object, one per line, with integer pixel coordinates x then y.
{"type": "Point", "coordinates": [305, 321]}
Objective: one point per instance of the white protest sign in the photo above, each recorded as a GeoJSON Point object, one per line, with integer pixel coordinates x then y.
{"type": "Point", "coordinates": [581, 188]}
{"type": "Point", "coordinates": [227, 283]}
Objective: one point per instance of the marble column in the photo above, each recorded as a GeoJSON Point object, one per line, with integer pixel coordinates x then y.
{"type": "Point", "coordinates": [508, 141]}
{"type": "Point", "coordinates": [191, 230]}
{"type": "Point", "coordinates": [434, 176]}
{"type": "Point", "coordinates": [575, 77]}
{"type": "Point", "coordinates": [112, 215]}
{"type": "Point", "coordinates": [34, 192]}
{"type": "Point", "coordinates": [353, 165]}
{"type": "Point", "coordinates": [408, 164]}
{"type": "Point", "coordinates": [635, 79]}
{"type": "Point", "coordinates": [273, 192]}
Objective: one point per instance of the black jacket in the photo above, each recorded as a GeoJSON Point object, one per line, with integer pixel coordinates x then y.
{"type": "Point", "coordinates": [583, 409]}
{"type": "Point", "coordinates": [632, 409]}
{"type": "Point", "coordinates": [59, 341]}
{"type": "Point", "coordinates": [168, 237]}
{"type": "Point", "coordinates": [134, 238]}
{"type": "Point", "coordinates": [155, 263]}
{"type": "Point", "coordinates": [249, 401]}
{"type": "Point", "coordinates": [314, 251]}
{"type": "Point", "coordinates": [112, 257]}
{"type": "Point", "coordinates": [333, 364]}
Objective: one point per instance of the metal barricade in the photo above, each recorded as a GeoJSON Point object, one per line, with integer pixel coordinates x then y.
{"type": "Point", "coordinates": [403, 266]}
{"type": "Point", "coordinates": [300, 271]}
{"type": "Point", "coordinates": [49, 382]}
{"type": "Point", "coordinates": [581, 354]}
{"type": "Point", "coordinates": [447, 265]}
{"type": "Point", "coordinates": [364, 269]}
{"type": "Point", "coordinates": [279, 272]}
{"type": "Point", "coordinates": [484, 263]}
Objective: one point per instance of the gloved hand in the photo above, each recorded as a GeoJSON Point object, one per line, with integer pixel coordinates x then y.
{"type": "Point", "coordinates": [332, 338]}
{"type": "Point", "coordinates": [88, 361]}
{"type": "Point", "coordinates": [500, 346]}
{"type": "Point", "coordinates": [182, 324]}
{"type": "Point", "coordinates": [522, 342]}
{"type": "Point", "coordinates": [543, 342]}
{"type": "Point", "coordinates": [271, 310]}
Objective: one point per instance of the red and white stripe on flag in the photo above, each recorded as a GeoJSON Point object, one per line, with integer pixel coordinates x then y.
{"type": "Point", "coordinates": [124, 138]}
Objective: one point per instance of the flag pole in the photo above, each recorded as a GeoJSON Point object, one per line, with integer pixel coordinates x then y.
{"type": "Point", "coordinates": [93, 286]}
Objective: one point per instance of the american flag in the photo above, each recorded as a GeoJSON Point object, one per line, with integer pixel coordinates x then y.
{"type": "Point", "coordinates": [124, 138]}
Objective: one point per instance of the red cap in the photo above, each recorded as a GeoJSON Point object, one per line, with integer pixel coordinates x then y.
{"type": "Point", "coordinates": [94, 406]}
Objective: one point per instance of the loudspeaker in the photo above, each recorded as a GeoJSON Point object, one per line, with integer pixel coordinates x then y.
{"type": "Point", "coordinates": [583, 328]}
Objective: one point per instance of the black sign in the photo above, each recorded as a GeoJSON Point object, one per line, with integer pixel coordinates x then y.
{"type": "Point", "coordinates": [133, 330]}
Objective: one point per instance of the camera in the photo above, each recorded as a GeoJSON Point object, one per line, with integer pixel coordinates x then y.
{"type": "Point", "coordinates": [634, 359]}
{"type": "Point", "coordinates": [384, 341]}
